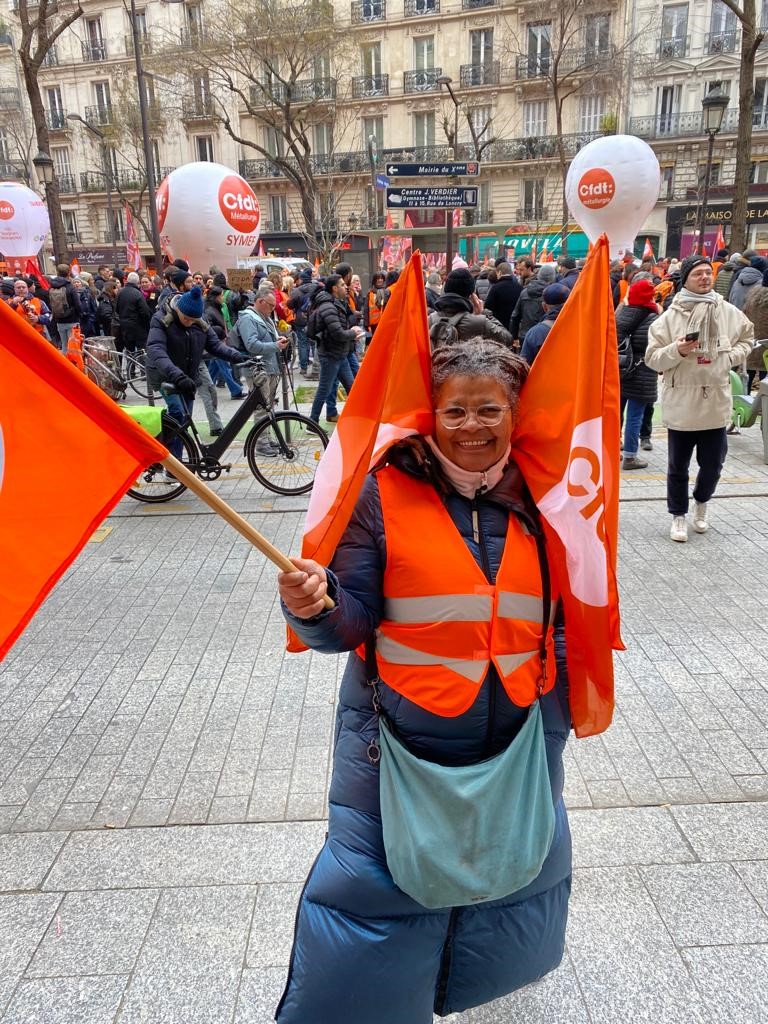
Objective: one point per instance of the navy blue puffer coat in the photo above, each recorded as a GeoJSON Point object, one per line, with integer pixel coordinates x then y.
{"type": "Point", "coordinates": [363, 950]}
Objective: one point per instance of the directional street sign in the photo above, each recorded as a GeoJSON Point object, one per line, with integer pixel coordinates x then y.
{"type": "Point", "coordinates": [430, 198]}
{"type": "Point", "coordinates": [381, 181]}
{"type": "Point", "coordinates": [431, 170]}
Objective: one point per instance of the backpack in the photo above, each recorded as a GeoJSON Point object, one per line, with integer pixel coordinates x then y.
{"type": "Point", "coordinates": [60, 306]}
{"type": "Point", "coordinates": [312, 330]}
{"type": "Point", "coordinates": [627, 362]}
{"type": "Point", "coordinates": [445, 330]}
{"type": "Point", "coordinates": [234, 339]}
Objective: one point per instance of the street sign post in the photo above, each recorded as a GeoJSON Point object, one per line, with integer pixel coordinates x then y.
{"type": "Point", "coordinates": [431, 198]}
{"type": "Point", "coordinates": [471, 169]}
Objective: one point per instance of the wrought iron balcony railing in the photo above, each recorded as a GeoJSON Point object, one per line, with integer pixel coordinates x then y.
{"type": "Point", "coordinates": [424, 80]}
{"type": "Point", "coordinates": [474, 5]}
{"type": "Point", "coordinates": [674, 46]}
{"type": "Point", "coordinates": [67, 183]}
{"type": "Point", "coordinates": [51, 59]}
{"type": "Point", "coordinates": [99, 115]}
{"type": "Point", "coordinates": [370, 85]}
{"type": "Point", "coordinates": [93, 52]}
{"type": "Point", "coordinates": [722, 42]}
{"type": "Point", "coordinates": [534, 65]}
{"type": "Point", "coordinates": [197, 108]}
{"type": "Point", "coordinates": [364, 11]}
{"type": "Point", "coordinates": [56, 120]}
{"type": "Point", "coordinates": [276, 225]}
{"type": "Point", "coordinates": [532, 214]}
{"type": "Point", "coordinates": [663, 126]}
{"type": "Point", "coordinates": [420, 8]}
{"type": "Point", "coordinates": [479, 74]}
{"type": "Point", "coordinates": [145, 43]}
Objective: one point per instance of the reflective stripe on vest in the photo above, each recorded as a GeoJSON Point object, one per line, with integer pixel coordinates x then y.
{"type": "Point", "coordinates": [443, 622]}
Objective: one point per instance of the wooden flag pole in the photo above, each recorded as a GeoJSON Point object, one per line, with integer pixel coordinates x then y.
{"type": "Point", "coordinates": [220, 507]}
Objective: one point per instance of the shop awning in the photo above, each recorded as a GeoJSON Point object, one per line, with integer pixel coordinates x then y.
{"type": "Point", "coordinates": [523, 244]}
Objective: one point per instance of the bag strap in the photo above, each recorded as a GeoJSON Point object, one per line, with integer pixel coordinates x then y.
{"type": "Point", "coordinates": [546, 602]}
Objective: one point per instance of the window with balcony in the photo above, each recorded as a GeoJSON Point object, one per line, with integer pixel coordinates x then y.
{"type": "Point", "coordinates": [118, 219]}
{"type": "Point", "coordinates": [327, 210]}
{"type": "Point", "coordinates": [760, 109]}
{"type": "Point", "coordinates": [70, 225]}
{"type": "Point", "coordinates": [201, 94]}
{"type": "Point", "coordinates": [484, 202]}
{"type": "Point", "coordinates": [591, 110]}
{"type": "Point", "coordinates": [667, 181]}
{"type": "Point", "coordinates": [722, 30]}
{"type": "Point", "coordinates": [758, 172]}
{"type": "Point", "coordinates": [481, 47]}
{"type": "Point", "coordinates": [424, 130]}
{"type": "Point", "coordinates": [141, 23]}
{"type": "Point", "coordinates": [204, 148]}
{"type": "Point", "coordinates": [535, 118]}
{"type": "Point", "coordinates": [109, 159]}
{"type": "Point", "coordinates": [56, 118]}
{"type": "Point", "coordinates": [424, 53]}
{"type": "Point", "coordinates": [323, 139]}
{"type": "Point", "coordinates": [321, 67]}
{"type": "Point", "coordinates": [674, 31]}
{"type": "Point", "coordinates": [533, 199]}
{"type": "Point", "coordinates": [480, 118]}
{"type": "Point", "coordinates": [278, 213]}
{"type": "Point", "coordinates": [156, 159]}
{"type": "Point", "coordinates": [373, 126]}
{"type": "Point", "coordinates": [597, 35]}
{"type": "Point", "coordinates": [61, 161]}
{"type": "Point", "coordinates": [667, 108]}
{"type": "Point", "coordinates": [714, 178]}
{"type": "Point", "coordinates": [416, 8]}
{"type": "Point", "coordinates": [274, 142]}
{"type": "Point", "coordinates": [94, 47]}
{"type": "Point", "coordinates": [194, 28]}
{"type": "Point", "coordinates": [102, 96]}
{"type": "Point", "coordinates": [539, 48]}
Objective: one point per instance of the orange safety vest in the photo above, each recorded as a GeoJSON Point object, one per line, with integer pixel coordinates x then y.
{"type": "Point", "coordinates": [444, 623]}
{"type": "Point", "coordinates": [374, 311]}
{"type": "Point", "coordinates": [623, 289]}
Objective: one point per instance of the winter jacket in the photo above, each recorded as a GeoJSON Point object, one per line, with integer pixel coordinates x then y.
{"type": "Point", "coordinates": [73, 299]}
{"type": "Point", "coordinates": [432, 296]}
{"type": "Point", "coordinates": [297, 300]}
{"type": "Point", "coordinates": [616, 276]}
{"type": "Point", "coordinates": [746, 281]}
{"type": "Point", "coordinates": [537, 335]}
{"type": "Point", "coordinates": [482, 287]}
{"type": "Point", "coordinates": [175, 352]}
{"type": "Point", "coordinates": [756, 310]}
{"type": "Point", "coordinates": [569, 278]}
{"type": "Point", "coordinates": [88, 312]}
{"type": "Point", "coordinates": [502, 299]}
{"type": "Point", "coordinates": [725, 276]}
{"type": "Point", "coordinates": [484, 324]}
{"type": "Point", "coordinates": [215, 318]}
{"type": "Point", "coordinates": [696, 395]}
{"type": "Point", "coordinates": [634, 322]}
{"type": "Point", "coordinates": [528, 310]}
{"type": "Point", "coordinates": [363, 950]}
{"type": "Point", "coordinates": [133, 313]}
{"type": "Point", "coordinates": [332, 326]}
{"type": "Point", "coordinates": [260, 338]}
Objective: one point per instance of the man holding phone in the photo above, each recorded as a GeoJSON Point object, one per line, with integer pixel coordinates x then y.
{"type": "Point", "coordinates": [694, 344]}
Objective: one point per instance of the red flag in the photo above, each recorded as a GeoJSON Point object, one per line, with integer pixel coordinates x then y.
{"type": "Point", "coordinates": [648, 250]}
{"type": "Point", "coordinates": [32, 269]}
{"type": "Point", "coordinates": [720, 240]}
{"type": "Point", "coordinates": [261, 249]}
{"type": "Point", "coordinates": [457, 217]}
{"type": "Point", "coordinates": [67, 455]}
{"type": "Point", "coordinates": [390, 399]}
{"type": "Point", "coordinates": [388, 222]}
{"type": "Point", "coordinates": [133, 253]}
{"type": "Point", "coordinates": [566, 444]}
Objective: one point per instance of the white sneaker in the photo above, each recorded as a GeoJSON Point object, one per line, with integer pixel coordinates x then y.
{"type": "Point", "coordinates": [679, 530]}
{"type": "Point", "coordinates": [700, 523]}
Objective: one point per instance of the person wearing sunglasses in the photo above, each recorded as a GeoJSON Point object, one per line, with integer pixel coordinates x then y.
{"type": "Point", "coordinates": [445, 876]}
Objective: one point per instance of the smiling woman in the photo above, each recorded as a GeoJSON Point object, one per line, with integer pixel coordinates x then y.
{"type": "Point", "coordinates": [445, 877]}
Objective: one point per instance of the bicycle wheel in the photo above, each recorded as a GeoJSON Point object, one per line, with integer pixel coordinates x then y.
{"type": "Point", "coordinates": [296, 444]}
{"type": "Point", "coordinates": [137, 378]}
{"type": "Point", "coordinates": [155, 485]}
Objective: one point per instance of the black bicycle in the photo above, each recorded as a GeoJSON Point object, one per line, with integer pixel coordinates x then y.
{"type": "Point", "coordinates": [282, 449]}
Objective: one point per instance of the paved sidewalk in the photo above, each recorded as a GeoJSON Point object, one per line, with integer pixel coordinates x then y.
{"type": "Point", "coordinates": [153, 691]}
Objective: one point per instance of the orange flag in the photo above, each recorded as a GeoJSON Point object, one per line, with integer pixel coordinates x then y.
{"type": "Point", "coordinates": [390, 399]}
{"type": "Point", "coordinates": [648, 250]}
{"type": "Point", "coordinates": [67, 455]}
{"type": "Point", "coordinates": [566, 444]}
{"type": "Point", "coordinates": [720, 240]}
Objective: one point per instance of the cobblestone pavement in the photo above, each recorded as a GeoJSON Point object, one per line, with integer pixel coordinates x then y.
{"type": "Point", "coordinates": [153, 690]}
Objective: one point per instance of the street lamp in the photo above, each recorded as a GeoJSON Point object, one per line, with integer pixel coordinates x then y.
{"type": "Point", "coordinates": [106, 165]}
{"type": "Point", "coordinates": [446, 81]}
{"type": "Point", "coordinates": [714, 106]}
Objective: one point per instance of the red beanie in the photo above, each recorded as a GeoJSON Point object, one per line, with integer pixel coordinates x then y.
{"type": "Point", "coordinates": [641, 294]}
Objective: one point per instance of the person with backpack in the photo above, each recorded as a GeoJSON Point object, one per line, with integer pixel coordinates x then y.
{"type": "Point", "coordinates": [300, 302]}
{"type": "Point", "coordinates": [639, 384]}
{"type": "Point", "coordinates": [329, 324]}
{"type": "Point", "coordinates": [64, 304]}
{"type": "Point", "coordinates": [553, 299]}
{"type": "Point", "coordinates": [258, 330]}
{"type": "Point", "coordinates": [459, 314]}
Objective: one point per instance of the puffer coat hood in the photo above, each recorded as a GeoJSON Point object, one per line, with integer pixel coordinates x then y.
{"type": "Point", "coordinates": [749, 278]}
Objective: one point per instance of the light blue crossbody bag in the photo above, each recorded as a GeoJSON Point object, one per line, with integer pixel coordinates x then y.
{"type": "Point", "coordinates": [456, 836]}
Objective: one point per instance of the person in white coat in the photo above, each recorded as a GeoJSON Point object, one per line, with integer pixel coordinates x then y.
{"type": "Point", "coordinates": [694, 344]}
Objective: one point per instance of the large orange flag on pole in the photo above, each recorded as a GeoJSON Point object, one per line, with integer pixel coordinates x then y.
{"type": "Point", "coordinates": [390, 399]}
{"type": "Point", "coordinates": [67, 455]}
{"type": "Point", "coordinates": [566, 443]}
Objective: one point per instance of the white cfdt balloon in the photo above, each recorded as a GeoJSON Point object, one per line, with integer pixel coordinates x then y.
{"type": "Point", "coordinates": [208, 215]}
{"type": "Point", "coordinates": [24, 220]}
{"type": "Point", "coordinates": [611, 187]}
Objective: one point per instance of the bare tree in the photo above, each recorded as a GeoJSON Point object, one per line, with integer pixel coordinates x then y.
{"type": "Point", "coordinates": [42, 22]}
{"type": "Point", "coordinates": [20, 136]}
{"type": "Point", "coordinates": [287, 82]}
{"type": "Point", "coordinates": [752, 35]}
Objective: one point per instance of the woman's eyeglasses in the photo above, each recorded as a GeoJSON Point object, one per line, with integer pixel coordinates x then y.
{"type": "Point", "coordinates": [455, 416]}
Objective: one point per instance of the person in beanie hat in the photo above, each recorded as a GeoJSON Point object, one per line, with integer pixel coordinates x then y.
{"type": "Point", "coordinates": [554, 298]}
{"type": "Point", "coordinates": [695, 344]}
{"type": "Point", "coordinates": [459, 314]}
{"type": "Point", "coordinates": [568, 272]}
{"type": "Point", "coordinates": [639, 387]}
{"type": "Point", "coordinates": [177, 339]}
{"type": "Point", "coordinates": [529, 309]}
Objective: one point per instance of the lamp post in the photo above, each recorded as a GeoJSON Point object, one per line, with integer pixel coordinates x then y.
{"type": "Point", "coordinates": [373, 212]}
{"type": "Point", "coordinates": [106, 165]}
{"type": "Point", "coordinates": [44, 169]}
{"type": "Point", "coordinates": [446, 81]}
{"type": "Point", "coordinates": [714, 106]}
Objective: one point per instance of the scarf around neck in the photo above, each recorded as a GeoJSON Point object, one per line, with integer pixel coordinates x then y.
{"type": "Point", "coordinates": [702, 317]}
{"type": "Point", "coordinates": [467, 482]}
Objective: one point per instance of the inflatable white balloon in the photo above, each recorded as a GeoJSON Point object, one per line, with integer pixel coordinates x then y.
{"type": "Point", "coordinates": [612, 186]}
{"type": "Point", "coordinates": [24, 221]}
{"type": "Point", "coordinates": [208, 214]}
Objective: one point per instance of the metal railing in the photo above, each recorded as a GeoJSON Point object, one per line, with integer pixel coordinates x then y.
{"type": "Point", "coordinates": [424, 80]}
{"type": "Point", "coordinates": [276, 225]}
{"type": "Point", "coordinates": [370, 85]}
{"type": "Point", "coordinates": [479, 74]}
{"type": "Point", "coordinates": [722, 42]}
{"type": "Point", "coordinates": [99, 115]}
{"type": "Point", "coordinates": [364, 11]}
{"type": "Point", "coordinates": [145, 43]}
{"type": "Point", "coordinates": [535, 65]}
{"type": "Point", "coordinates": [306, 90]}
{"type": "Point", "coordinates": [535, 214]}
{"type": "Point", "coordinates": [420, 8]}
{"type": "Point", "coordinates": [474, 5]}
{"type": "Point", "coordinates": [67, 183]}
{"type": "Point", "coordinates": [51, 59]}
{"type": "Point", "coordinates": [676, 46]}
{"type": "Point", "coordinates": [197, 108]}
{"type": "Point", "coordinates": [93, 52]}
{"type": "Point", "coordinates": [124, 179]}
{"type": "Point", "coordinates": [56, 120]}
{"type": "Point", "coordinates": [659, 126]}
